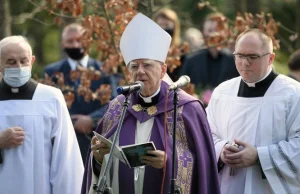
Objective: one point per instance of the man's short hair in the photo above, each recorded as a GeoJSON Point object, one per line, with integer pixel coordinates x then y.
{"type": "Point", "coordinates": [262, 35]}
{"type": "Point", "coordinates": [218, 17]}
{"type": "Point", "coordinates": [74, 27]}
{"type": "Point", "coordinates": [294, 61]}
{"type": "Point", "coordinates": [13, 40]}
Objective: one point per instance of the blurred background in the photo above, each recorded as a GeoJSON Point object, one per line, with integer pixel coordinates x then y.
{"type": "Point", "coordinates": [42, 21]}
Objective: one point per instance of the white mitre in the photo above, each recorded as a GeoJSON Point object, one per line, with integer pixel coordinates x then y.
{"type": "Point", "coordinates": [144, 39]}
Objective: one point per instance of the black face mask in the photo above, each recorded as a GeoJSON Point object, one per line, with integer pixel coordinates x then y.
{"type": "Point", "coordinates": [170, 32]}
{"type": "Point", "coordinates": [75, 53]}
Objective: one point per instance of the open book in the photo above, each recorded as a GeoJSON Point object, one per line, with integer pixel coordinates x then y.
{"type": "Point", "coordinates": [131, 155]}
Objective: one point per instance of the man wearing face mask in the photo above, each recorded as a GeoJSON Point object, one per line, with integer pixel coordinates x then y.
{"type": "Point", "coordinates": [84, 114]}
{"type": "Point", "coordinates": [168, 20]}
{"type": "Point", "coordinates": [35, 129]}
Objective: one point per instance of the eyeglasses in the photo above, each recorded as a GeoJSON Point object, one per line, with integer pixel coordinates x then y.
{"type": "Point", "coordinates": [147, 65]}
{"type": "Point", "coordinates": [250, 58]}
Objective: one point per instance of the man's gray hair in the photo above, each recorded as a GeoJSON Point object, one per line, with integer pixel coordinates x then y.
{"type": "Point", "coordinates": [12, 40]}
{"type": "Point", "coordinates": [73, 27]}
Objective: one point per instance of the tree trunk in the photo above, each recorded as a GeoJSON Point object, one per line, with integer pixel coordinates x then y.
{"type": "Point", "coordinates": [298, 25]}
{"type": "Point", "coordinates": [5, 19]}
{"type": "Point", "coordinates": [253, 6]}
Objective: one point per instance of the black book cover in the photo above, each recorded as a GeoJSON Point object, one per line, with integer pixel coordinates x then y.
{"type": "Point", "coordinates": [134, 153]}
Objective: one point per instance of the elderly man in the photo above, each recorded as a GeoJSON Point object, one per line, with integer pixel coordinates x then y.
{"type": "Point", "coordinates": [255, 123]}
{"type": "Point", "coordinates": [39, 150]}
{"type": "Point", "coordinates": [148, 113]}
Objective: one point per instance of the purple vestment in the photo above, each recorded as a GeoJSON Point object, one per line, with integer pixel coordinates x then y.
{"type": "Point", "coordinates": [196, 165]}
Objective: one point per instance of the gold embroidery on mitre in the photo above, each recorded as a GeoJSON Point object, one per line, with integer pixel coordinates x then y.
{"type": "Point", "coordinates": [151, 110]}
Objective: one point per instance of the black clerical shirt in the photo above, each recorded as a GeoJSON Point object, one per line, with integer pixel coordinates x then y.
{"type": "Point", "coordinates": [154, 100]}
{"type": "Point", "coordinates": [260, 87]}
{"type": "Point", "coordinates": [24, 92]}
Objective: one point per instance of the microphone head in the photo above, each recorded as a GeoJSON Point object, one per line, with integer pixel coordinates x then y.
{"type": "Point", "coordinates": [119, 90]}
{"type": "Point", "coordinates": [187, 78]}
{"type": "Point", "coordinates": [129, 88]}
{"type": "Point", "coordinates": [182, 81]}
{"type": "Point", "coordinates": [142, 86]}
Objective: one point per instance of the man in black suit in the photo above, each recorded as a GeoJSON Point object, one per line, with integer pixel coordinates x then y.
{"type": "Point", "coordinates": [84, 114]}
{"type": "Point", "coordinates": [294, 65]}
{"type": "Point", "coordinates": [210, 67]}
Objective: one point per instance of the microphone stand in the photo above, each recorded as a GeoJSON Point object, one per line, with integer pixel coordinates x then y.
{"type": "Point", "coordinates": [101, 187]}
{"type": "Point", "coordinates": [174, 188]}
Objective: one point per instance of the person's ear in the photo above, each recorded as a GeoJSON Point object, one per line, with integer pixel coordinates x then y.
{"type": "Point", "coordinates": [32, 60]}
{"type": "Point", "coordinates": [62, 43]}
{"type": "Point", "coordinates": [271, 58]}
{"type": "Point", "coordinates": [164, 70]}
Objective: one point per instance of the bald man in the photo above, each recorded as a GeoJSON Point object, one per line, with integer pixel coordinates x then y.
{"type": "Point", "coordinates": [38, 147]}
{"type": "Point", "coordinates": [255, 123]}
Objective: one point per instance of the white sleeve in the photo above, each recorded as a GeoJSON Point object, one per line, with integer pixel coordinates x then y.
{"type": "Point", "coordinates": [280, 162]}
{"type": "Point", "coordinates": [95, 179]}
{"type": "Point", "coordinates": [218, 142]}
{"type": "Point", "coordinates": [66, 171]}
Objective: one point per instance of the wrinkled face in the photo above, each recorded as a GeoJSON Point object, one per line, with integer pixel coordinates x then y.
{"type": "Point", "coordinates": [16, 55]}
{"type": "Point", "coordinates": [72, 39]}
{"type": "Point", "coordinates": [150, 72]}
{"type": "Point", "coordinates": [252, 59]}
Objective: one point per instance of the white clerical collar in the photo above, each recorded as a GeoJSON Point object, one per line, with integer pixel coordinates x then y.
{"type": "Point", "coordinates": [149, 99]}
{"type": "Point", "coordinates": [15, 90]}
{"type": "Point", "coordinates": [84, 62]}
{"type": "Point", "coordinates": [253, 84]}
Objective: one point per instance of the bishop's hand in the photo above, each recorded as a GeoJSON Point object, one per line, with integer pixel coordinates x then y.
{"type": "Point", "coordinates": [244, 158]}
{"type": "Point", "coordinates": [99, 149]}
{"type": "Point", "coordinates": [11, 137]}
{"type": "Point", "coordinates": [156, 160]}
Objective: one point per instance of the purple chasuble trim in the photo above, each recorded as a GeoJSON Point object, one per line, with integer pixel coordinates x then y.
{"type": "Point", "coordinates": [195, 150]}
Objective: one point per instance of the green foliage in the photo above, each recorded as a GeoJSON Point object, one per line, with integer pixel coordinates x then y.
{"type": "Point", "coordinates": [281, 62]}
{"type": "Point", "coordinates": [51, 46]}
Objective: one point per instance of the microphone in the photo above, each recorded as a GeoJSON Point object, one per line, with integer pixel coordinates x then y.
{"type": "Point", "coordinates": [137, 86]}
{"type": "Point", "coordinates": [181, 82]}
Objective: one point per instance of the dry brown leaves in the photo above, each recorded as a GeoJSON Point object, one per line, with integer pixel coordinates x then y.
{"type": "Point", "coordinates": [227, 36]}
{"type": "Point", "coordinates": [174, 56]}
{"type": "Point", "coordinates": [261, 21]}
{"type": "Point", "coordinates": [102, 29]}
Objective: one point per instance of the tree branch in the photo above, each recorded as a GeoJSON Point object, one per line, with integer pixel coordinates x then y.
{"type": "Point", "coordinates": [109, 26]}
{"type": "Point", "coordinates": [43, 7]}
{"type": "Point", "coordinates": [286, 29]}
{"type": "Point", "coordinates": [285, 43]}
{"type": "Point", "coordinates": [20, 19]}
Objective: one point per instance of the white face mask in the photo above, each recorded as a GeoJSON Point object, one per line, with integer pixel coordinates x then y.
{"type": "Point", "coordinates": [16, 77]}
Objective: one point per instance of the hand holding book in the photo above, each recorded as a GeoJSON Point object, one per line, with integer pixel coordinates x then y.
{"type": "Point", "coordinates": [155, 158]}
{"type": "Point", "coordinates": [131, 155]}
{"type": "Point", "coordinates": [99, 149]}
